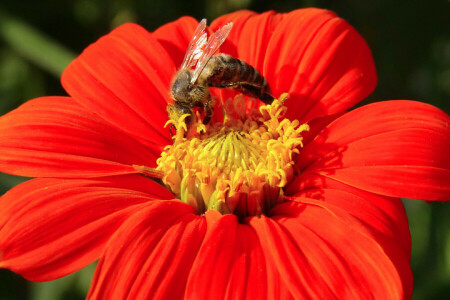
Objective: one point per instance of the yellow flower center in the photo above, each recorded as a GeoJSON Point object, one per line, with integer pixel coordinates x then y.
{"type": "Point", "coordinates": [239, 166]}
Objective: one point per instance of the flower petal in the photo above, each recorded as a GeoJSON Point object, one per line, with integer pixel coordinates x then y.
{"type": "Point", "coordinates": [124, 78]}
{"type": "Point", "coordinates": [382, 215]}
{"type": "Point", "coordinates": [229, 264]}
{"type": "Point", "coordinates": [322, 61]}
{"type": "Point", "coordinates": [313, 55]}
{"type": "Point", "coordinates": [56, 137]}
{"type": "Point", "coordinates": [250, 35]}
{"type": "Point", "coordinates": [393, 148]}
{"type": "Point", "coordinates": [336, 258]}
{"type": "Point", "coordinates": [175, 37]}
{"type": "Point", "coordinates": [52, 227]}
{"type": "Point", "coordinates": [150, 256]}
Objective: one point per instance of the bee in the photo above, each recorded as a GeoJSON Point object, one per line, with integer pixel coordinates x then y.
{"type": "Point", "coordinates": [200, 70]}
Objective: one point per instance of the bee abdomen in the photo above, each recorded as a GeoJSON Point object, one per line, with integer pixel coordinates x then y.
{"type": "Point", "coordinates": [228, 69]}
{"type": "Point", "coordinates": [225, 71]}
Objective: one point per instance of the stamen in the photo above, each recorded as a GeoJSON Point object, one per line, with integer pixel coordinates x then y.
{"type": "Point", "coordinates": [239, 166]}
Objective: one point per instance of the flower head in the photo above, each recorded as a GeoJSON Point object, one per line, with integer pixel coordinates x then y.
{"type": "Point", "coordinates": [295, 199]}
{"type": "Point", "coordinates": [239, 165]}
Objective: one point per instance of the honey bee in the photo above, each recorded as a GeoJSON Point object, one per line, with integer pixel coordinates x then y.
{"type": "Point", "coordinates": [201, 69]}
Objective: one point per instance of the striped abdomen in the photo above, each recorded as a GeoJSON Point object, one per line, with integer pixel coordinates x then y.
{"type": "Point", "coordinates": [225, 71]}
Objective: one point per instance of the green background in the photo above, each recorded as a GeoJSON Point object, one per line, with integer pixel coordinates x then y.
{"type": "Point", "coordinates": [410, 42]}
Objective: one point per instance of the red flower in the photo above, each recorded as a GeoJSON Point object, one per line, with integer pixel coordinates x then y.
{"type": "Point", "coordinates": [340, 231]}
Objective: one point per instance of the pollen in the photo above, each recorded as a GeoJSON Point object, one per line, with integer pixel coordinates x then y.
{"type": "Point", "coordinates": [238, 166]}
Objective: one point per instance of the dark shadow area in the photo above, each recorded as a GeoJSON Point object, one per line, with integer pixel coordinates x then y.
{"type": "Point", "coordinates": [13, 286]}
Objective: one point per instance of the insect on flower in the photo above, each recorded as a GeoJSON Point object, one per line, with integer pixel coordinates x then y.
{"type": "Point", "coordinates": [201, 70]}
{"type": "Point", "coordinates": [256, 207]}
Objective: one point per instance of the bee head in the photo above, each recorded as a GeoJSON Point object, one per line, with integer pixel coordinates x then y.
{"type": "Point", "coordinates": [182, 90]}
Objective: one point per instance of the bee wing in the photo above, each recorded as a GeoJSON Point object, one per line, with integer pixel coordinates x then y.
{"type": "Point", "coordinates": [211, 47]}
{"type": "Point", "coordinates": [196, 46]}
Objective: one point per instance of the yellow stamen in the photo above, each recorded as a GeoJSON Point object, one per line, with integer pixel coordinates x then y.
{"type": "Point", "coordinates": [239, 166]}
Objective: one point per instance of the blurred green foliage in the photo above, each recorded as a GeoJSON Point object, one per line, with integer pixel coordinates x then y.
{"type": "Point", "coordinates": [409, 40]}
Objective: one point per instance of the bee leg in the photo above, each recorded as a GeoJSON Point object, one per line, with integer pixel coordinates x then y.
{"type": "Point", "coordinates": [249, 90]}
{"type": "Point", "coordinates": [256, 91]}
{"type": "Point", "coordinates": [227, 85]}
{"type": "Point", "coordinates": [267, 98]}
{"type": "Point", "coordinates": [208, 112]}
{"type": "Point", "coordinates": [170, 130]}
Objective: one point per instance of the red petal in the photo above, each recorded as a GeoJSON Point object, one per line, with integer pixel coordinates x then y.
{"type": "Point", "coordinates": [250, 35]}
{"type": "Point", "coordinates": [248, 277]}
{"type": "Point", "coordinates": [124, 78]}
{"type": "Point", "coordinates": [321, 252]}
{"type": "Point", "coordinates": [318, 58]}
{"type": "Point", "coordinates": [229, 264]}
{"type": "Point", "coordinates": [53, 227]}
{"type": "Point", "coordinates": [288, 260]}
{"type": "Point", "coordinates": [316, 126]}
{"type": "Point", "coordinates": [393, 148]}
{"type": "Point", "coordinates": [175, 37]}
{"type": "Point", "coordinates": [150, 256]}
{"type": "Point", "coordinates": [384, 216]}
{"type": "Point", "coordinates": [56, 137]}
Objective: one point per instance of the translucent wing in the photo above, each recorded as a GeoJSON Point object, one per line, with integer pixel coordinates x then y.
{"type": "Point", "coordinates": [211, 47]}
{"type": "Point", "coordinates": [195, 48]}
